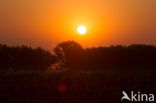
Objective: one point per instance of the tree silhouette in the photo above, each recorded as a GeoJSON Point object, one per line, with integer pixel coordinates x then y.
{"type": "Point", "coordinates": [72, 54]}
{"type": "Point", "coordinates": [69, 53]}
{"type": "Point", "coordinates": [26, 58]}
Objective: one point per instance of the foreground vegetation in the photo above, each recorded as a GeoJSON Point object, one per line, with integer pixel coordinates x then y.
{"type": "Point", "coordinates": [72, 86]}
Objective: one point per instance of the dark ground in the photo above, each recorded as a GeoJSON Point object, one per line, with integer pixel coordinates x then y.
{"type": "Point", "coordinates": [73, 86]}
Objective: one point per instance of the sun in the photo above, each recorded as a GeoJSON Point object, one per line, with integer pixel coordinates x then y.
{"type": "Point", "coordinates": [82, 30]}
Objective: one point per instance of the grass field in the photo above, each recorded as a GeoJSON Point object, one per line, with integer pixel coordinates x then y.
{"type": "Point", "coordinates": [73, 86]}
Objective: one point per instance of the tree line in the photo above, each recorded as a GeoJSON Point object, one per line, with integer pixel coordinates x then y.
{"type": "Point", "coordinates": [24, 57]}
{"type": "Point", "coordinates": [133, 56]}
{"type": "Point", "coordinates": [70, 54]}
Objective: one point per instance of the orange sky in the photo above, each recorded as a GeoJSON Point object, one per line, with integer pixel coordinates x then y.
{"type": "Point", "coordinates": [47, 22]}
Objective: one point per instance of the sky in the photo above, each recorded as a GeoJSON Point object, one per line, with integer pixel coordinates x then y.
{"type": "Point", "coordinates": [46, 23]}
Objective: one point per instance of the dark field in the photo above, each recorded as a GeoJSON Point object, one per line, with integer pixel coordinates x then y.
{"type": "Point", "coordinates": [74, 86]}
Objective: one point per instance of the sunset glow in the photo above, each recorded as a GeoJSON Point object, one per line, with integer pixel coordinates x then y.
{"type": "Point", "coordinates": [77, 51]}
{"type": "Point", "coordinates": [45, 23]}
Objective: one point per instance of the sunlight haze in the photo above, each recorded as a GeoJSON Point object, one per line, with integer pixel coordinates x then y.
{"type": "Point", "coordinates": [47, 22]}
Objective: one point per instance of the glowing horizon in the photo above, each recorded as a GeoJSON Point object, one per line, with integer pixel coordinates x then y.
{"type": "Point", "coordinates": [45, 23]}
